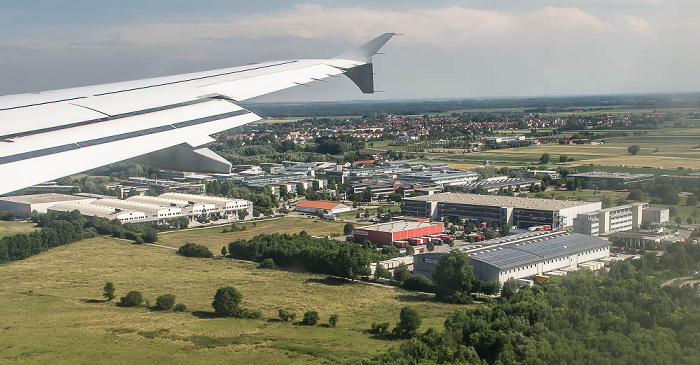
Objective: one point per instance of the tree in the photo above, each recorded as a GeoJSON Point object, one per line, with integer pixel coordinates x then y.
{"type": "Point", "coordinates": [348, 228]}
{"type": "Point", "coordinates": [401, 273]}
{"type": "Point", "coordinates": [510, 287]}
{"type": "Point", "coordinates": [165, 302]}
{"type": "Point", "coordinates": [333, 320]}
{"type": "Point", "coordinates": [267, 263]}
{"type": "Point", "coordinates": [678, 220]}
{"type": "Point", "coordinates": [409, 322]}
{"type": "Point", "coordinates": [634, 149]}
{"type": "Point", "coordinates": [689, 220]}
{"type": "Point", "coordinates": [563, 158]}
{"type": "Point", "coordinates": [224, 251]}
{"type": "Point", "coordinates": [286, 315]}
{"type": "Point", "coordinates": [418, 283]}
{"type": "Point", "coordinates": [226, 302]}
{"type": "Point", "coordinates": [108, 291]}
{"type": "Point", "coordinates": [242, 214]}
{"type": "Point", "coordinates": [194, 250]}
{"type": "Point", "coordinates": [310, 318]}
{"type": "Point", "coordinates": [380, 272]}
{"type": "Point", "coordinates": [691, 201]}
{"type": "Point", "coordinates": [410, 250]}
{"type": "Point", "coordinates": [491, 287]}
{"type": "Point", "coordinates": [454, 277]}
{"type": "Point", "coordinates": [504, 230]}
{"type": "Point", "coordinates": [544, 159]}
{"type": "Point", "coordinates": [301, 190]}
{"type": "Point", "coordinates": [132, 299]}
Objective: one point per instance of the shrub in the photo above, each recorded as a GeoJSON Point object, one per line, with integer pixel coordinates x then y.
{"type": "Point", "coordinates": [409, 322]}
{"type": "Point", "coordinates": [250, 314]}
{"type": "Point", "coordinates": [108, 291]}
{"type": "Point", "coordinates": [310, 318]}
{"type": "Point", "coordinates": [333, 320]}
{"type": "Point", "coordinates": [268, 263]}
{"type": "Point", "coordinates": [381, 328]}
{"type": "Point", "coordinates": [179, 307]}
{"type": "Point", "coordinates": [132, 299]}
{"type": "Point", "coordinates": [418, 283]}
{"type": "Point", "coordinates": [286, 315]}
{"type": "Point", "coordinates": [165, 302]}
{"type": "Point", "coordinates": [194, 250]}
{"type": "Point", "coordinates": [226, 302]}
{"type": "Point", "coordinates": [401, 273]}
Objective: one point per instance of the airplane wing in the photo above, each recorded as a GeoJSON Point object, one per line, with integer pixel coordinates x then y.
{"type": "Point", "coordinates": [159, 122]}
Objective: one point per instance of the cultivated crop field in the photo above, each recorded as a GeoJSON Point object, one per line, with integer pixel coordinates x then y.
{"type": "Point", "coordinates": [675, 148]}
{"type": "Point", "coordinates": [53, 311]}
{"type": "Point", "coordinates": [213, 237]}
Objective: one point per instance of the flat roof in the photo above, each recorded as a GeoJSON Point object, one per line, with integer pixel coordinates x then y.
{"type": "Point", "coordinates": [620, 175]}
{"type": "Point", "coordinates": [500, 201]}
{"type": "Point", "coordinates": [502, 182]}
{"type": "Point", "coordinates": [397, 226]}
{"type": "Point", "coordinates": [200, 198]}
{"type": "Point", "coordinates": [318, 204]}
{"type": "Point", "coordinates": [531, 248]}
{"type": "Point", "coordinates": [91, 209]}
{"type": "Point", "coordinates": [41, 198]}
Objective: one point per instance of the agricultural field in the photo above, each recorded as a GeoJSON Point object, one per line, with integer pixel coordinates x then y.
{"type": "Point", "coordinates": [213, 237]}
{"type": "Point", "coordinates": [675, 149]}
{"type": "Point", "coordinates": [53, 311]}
{"type": "Point", "coordinates": [8, 228]}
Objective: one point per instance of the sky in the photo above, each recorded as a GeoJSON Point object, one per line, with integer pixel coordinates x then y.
{"type": "Point", "coordinates": [449, 49]}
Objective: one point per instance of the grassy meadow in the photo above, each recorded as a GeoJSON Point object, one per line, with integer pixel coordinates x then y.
{"type": "Point", "coordinates": [213, 237]}
{"type": "Point", "coordinates": [53, 311]}
{"type": "Point", "coordinates": [8, 228]}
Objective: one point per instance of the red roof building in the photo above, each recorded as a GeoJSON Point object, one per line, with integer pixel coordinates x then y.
{"type": "Point", "coordinates": [321, 206]}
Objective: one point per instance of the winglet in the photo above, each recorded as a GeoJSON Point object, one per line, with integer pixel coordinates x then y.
{"type": "Point", "coordinates": [365, 52]}
{"type": "Point", "coordinates": [363, 75]}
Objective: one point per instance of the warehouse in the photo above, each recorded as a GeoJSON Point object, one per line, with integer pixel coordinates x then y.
{"type": "Point", "coordinates": [225, 207]}
{"type": "Point", "coordinates": [155, 213]}
{"type": "Point", "coordinates": [190, 209]}
{"type": "Point", "coordinates": [100, 211]}
{"type": "Point", "coordinates": [321, 206]}
{"type": "Point", "coordinates": [610, 180]}
{"type": "Point", "coordinates": [23, 205]}
{"type": "Point", "coordinates": [524, 255]}
{"type": "Point", "coordinates": [387, 233]}
{"type": "Point", "coordinates": [516, 211]}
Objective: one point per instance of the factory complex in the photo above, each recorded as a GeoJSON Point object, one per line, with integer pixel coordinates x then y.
{"type": "Point", "coordinates": [526, 255]}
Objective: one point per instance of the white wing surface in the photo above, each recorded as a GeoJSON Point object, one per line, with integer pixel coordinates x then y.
{"type": "Point", "coordinates": [160, 121]}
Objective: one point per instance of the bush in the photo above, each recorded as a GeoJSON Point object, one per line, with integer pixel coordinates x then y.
{"type": "Point", "coordinates": [267, 264]}
{"type": "Point", "coordinates": [310, 318]}
{"type": "Point", "coordinates": [381, 328]}
{"type": "Point", "coordinates": [226, 302]}
{"type": "Point", "coordinates": [179, 307]}
{"type": "Point", "coordinates": [401, 273]}
{"type": "Point", "coordinates": [286, 315]}
{"type": "Point", "coordinates": [250, 314]}
{"type": "Point", "coordinates": [165, 302]}
{"type": "Point", "coordinates": [409, 322]}
{"type": "Point", "coordinates": [108, 291]}
{"type": "Point", "coordinates": [418, 283]}
{"type": "Point", "coordinates": [193, 250]}
{"type": "Point", "coordinates": [333, 320]}
{"type": "Point", "coordinates": [132, 299]}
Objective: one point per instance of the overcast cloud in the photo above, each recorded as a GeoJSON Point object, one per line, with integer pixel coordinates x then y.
{"type": "Point", "coordinates": [449, 49]}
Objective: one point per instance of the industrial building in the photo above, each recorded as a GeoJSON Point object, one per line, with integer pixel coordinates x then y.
{"type": "Point", "coordinates": [615, 219]}
{"type": "Point", "coordinates": [524, 255]}
{"type": "Point", "coordinates": [23, 205]}
{"type": "Point", "coordinates": [610, 180]}
{"type": "Point", "coordinates": [495, 184]}
{"type": "Point", "coordinates": [189, 209]}
{"type": "Point", "coordinates": [225, 207]}
{"type": "Point", "coordinates": [321, 206]}
{"type": "Point", "coordinates": [516, 211]}
{"type": "Point", "coordinates": [101, 211]}
{"type": "Point", "coordinates": [387, 233]}
{"type": "Point", "coordinates": [440, 178]}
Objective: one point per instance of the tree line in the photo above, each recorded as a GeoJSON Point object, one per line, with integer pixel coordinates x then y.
{"type": "Point", "coordinates": [301, 251]}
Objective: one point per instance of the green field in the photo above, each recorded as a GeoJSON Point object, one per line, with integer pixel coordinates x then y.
{"type": "Point", "coordinates": [14, 227]}
{"type": "Point", "coordinates": [213, 237]}
{"type": "Point", "coordinates": [53, 312]}
{"type": "Point", "coordinates": [675, 149]}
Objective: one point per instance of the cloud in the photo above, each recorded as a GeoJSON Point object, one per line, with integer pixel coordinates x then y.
{"type": "Point", "coordinates": [443, 26]}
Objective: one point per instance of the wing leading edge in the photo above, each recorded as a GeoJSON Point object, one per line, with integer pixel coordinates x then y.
{"type": "Point", "coordinates": [161, 121]}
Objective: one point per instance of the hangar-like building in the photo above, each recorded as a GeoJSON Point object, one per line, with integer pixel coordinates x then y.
{"type": "Point", "coordinates": [387, 233]}
{"type": "Point", "coordinates": [524, 255]}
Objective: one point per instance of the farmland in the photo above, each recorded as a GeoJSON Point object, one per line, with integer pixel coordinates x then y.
{"type": "Point", "coordinates": [53, 310]}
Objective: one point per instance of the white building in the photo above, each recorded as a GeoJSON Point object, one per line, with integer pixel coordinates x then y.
{"type": "Point", "coordinates": [615, 219]}
{"type": "Point", "coordinates": [100, 211]}
{"type": "Point", "coordinates": [189, 209]}
{"type": "Point", "coordinates": [25, 204]}
{"type": "Point", "coordinates": [226, 207]}
{"type": "Point", "coordinates": [156, 213]}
